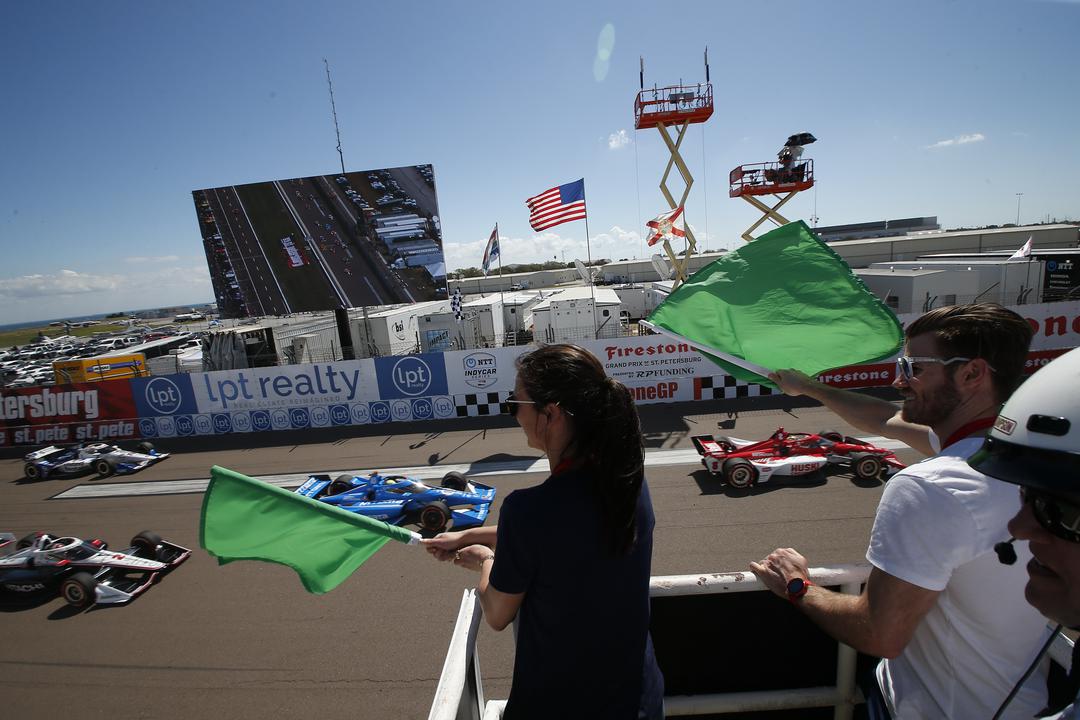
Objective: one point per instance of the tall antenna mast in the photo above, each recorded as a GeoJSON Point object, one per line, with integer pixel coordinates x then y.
{"type": "Point", "coordinates": [333, 109]}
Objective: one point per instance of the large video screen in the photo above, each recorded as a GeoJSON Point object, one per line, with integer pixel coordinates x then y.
{"type": "Point", "coordinates": [364, 238]}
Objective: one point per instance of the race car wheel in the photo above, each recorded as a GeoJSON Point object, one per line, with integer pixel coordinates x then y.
{"type": "Point", "coordinates": [831, 435]}
{"type": "Point", "coordinates": [455, 481]}
{"type": "Point", "coordinates": [104, 467]}
{"type": "Point", "coordinates": [866, 467]}
{"type": "Point", "coordinates": [146, 544]}
{"type": "Point", "coordinates": [740, 473]}
{"type": "Point", "coordinates": [32, 471]}
{"type": "Point", "coordinates": [434, 517]}
{"type": "Point", "coordinates": [78, 590]}
{"type": "Point", "coordinates": [145, 447]}
{"type": "Point", "coordinates": [342, 483]}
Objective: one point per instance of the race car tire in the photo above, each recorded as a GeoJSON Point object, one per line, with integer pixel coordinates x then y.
{"type": "Point", "coordinates": [739, 473]}
{"type": "Point", "coordinates": [455, 481]}
{"type": "Point", "coordinates": [866, 466]}
{"type": "Point", "coordinates": [32, 471]}
{"type": "Point", "coordinates": [146, 544]}
{"type": "Point", "coordinates": [434, 517]}
{"type": "Point", "coordinates": [342, 483]}
{"type": "Point", "coordinates": [145, 447]}
{"type": "Point", "coordinates": [831, 435]}
{"type": "Point", "coordinates": [104, 467]}
{"type": "Point", "coordinates": [78, 590]}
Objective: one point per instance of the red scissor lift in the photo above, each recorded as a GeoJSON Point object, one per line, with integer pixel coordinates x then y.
{"type": "Point", "coordinates": [679, 106]}
{"type": "Point", "coordinates": [780, 180]}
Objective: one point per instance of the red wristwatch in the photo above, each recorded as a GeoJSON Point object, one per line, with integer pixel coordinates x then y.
{"type": "Point", "coordinates": [796, 588]}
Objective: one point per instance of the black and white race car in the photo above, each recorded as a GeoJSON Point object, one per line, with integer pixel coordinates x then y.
{"type": "Point", "coordinates": [83, 572]}
{"type": "Point", "coordinates": [101, 458]}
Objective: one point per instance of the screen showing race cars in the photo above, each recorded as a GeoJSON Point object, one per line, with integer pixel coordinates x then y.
{"type": "Point", "coordinates": [362, 238]}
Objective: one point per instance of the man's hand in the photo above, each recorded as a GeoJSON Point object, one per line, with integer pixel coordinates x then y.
{"type": "Point", "coordinates": [781, 566]}
{"type": "Point", "coordinates": [793, 382]}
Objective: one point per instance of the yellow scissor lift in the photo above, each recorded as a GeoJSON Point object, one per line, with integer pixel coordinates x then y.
{"type": "Point", "coordinates": [676, 106]}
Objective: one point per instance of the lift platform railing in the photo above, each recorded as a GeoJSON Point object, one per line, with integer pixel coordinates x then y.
{"type": "Point", "coordinates": [770, 178]}
{"type": "Point", "coordinates": [672, 105]}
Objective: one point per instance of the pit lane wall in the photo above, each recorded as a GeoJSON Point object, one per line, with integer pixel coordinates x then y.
{"type": "Point", "coordinates": [402, 388]}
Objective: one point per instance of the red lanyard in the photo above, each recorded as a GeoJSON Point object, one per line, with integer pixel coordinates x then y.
{"type": "Point", "coordinates": [970, 429]}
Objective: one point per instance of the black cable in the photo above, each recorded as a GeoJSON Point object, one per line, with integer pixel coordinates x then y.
{"type": "Point", "coordinates": [1027, 674]}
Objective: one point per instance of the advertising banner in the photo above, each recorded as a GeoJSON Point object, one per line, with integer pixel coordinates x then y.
{"type": "Point", "coordinates": [67, 413]}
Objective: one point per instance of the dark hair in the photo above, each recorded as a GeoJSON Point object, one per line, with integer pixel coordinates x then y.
{"type": "Point", "coordinates": [982, 330]}
{"type": "Point", "coordinates": [606, 440]}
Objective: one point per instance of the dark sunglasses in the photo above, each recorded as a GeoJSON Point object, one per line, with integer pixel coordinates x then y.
{"type": "Point", "coordinates": [512, 404]}
{"type": "Point", "coordinates": [1058, 517]}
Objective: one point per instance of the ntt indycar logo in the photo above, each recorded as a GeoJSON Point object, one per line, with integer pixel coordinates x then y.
{"type": "Point", "coordinates": [50, 404]}
{"type": "Point", "coordinates": [481, 369]}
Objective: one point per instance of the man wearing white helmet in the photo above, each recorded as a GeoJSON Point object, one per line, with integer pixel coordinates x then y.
{"type": "Point", "coordinates": [1035, 443]}
{"type": "Point", "coordinates": [940, 609]}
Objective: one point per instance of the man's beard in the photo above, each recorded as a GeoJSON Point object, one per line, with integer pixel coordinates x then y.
{"type": "Point", "coordinates": [931, 409]}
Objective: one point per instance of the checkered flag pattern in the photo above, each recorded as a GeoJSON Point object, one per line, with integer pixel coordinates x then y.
{"type": "Point", "coordinates": [726, 387]}
{"type": "Point", "coordinates": [455, 304]}
{"type": "Point", "coordinates": [478, 404]}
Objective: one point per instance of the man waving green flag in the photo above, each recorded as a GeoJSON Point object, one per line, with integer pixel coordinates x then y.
{"type": "Point", "coordinates": [785, 300]}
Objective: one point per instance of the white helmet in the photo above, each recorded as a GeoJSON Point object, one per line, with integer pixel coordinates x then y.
{"type": "Point", "coordinates": [1036, 438]}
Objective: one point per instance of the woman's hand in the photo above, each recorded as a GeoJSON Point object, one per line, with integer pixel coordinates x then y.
{"type": "Point", "coordinates": [473, 557]}
{"type": "Point", "coordinates": [444, 545]}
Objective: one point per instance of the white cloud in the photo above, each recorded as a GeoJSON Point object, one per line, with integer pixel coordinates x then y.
{"type": "Point", "coordinates": [617, 140]}
{"type": "Point", "coordinates": [959, 140]}
{"type": "Point", "coordinates": [138, 259]}
{"type": "Point", "coordinates": [65, 282]}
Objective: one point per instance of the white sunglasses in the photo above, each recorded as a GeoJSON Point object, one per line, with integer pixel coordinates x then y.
{"type": "Point", "coordinates": [905, 365]}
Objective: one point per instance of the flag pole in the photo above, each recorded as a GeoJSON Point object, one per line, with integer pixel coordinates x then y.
{"type": "Point", "coordinates": [502, 298]}
{"type": "Point", "coordinates": [588, 255]}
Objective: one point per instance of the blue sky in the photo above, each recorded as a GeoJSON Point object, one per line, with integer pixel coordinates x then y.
{"type": "Point", "coordinates": [115, 111]}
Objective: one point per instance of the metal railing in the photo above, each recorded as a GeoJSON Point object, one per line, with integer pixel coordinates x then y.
{"type": "Point", "coordinates": [460, 693]}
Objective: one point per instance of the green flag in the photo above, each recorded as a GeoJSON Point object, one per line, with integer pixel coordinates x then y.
{"type": "Point", "coordinates": [248, 519]}
{"type": "Point", "coordinates": [785, 300]}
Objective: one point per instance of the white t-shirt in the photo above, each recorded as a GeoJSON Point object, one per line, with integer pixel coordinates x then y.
{"type": "Point", "coordinates": [936, 528]}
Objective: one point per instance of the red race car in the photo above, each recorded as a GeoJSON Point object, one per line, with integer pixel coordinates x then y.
{"type": "Point", "coordinates": [743, 463]}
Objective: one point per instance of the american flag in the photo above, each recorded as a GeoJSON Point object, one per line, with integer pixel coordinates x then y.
{"type": "Point", "coordinates": [557, 205]}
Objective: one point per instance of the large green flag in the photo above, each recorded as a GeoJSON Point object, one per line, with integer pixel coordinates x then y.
{"type": "Point", "coordinates": [248, 519]}
{"type": "Point", "coordinates": [784, 300]}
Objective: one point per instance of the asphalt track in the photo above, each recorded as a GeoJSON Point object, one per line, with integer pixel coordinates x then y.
{"type": "Point", "coordinates": [246, 641]}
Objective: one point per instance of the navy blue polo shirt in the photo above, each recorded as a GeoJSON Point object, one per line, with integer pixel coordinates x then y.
{"type": "Point", "coordinates": [583, 645]}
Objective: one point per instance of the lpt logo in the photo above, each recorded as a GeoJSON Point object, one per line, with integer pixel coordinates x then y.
{"type": "Point", "coordinates": [163, 396]}
{"type": "Point", "coordinates": [412, 376]}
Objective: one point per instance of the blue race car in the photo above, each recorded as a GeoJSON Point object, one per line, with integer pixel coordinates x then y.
{"type": "Point", "coordinates": [401, 500]}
